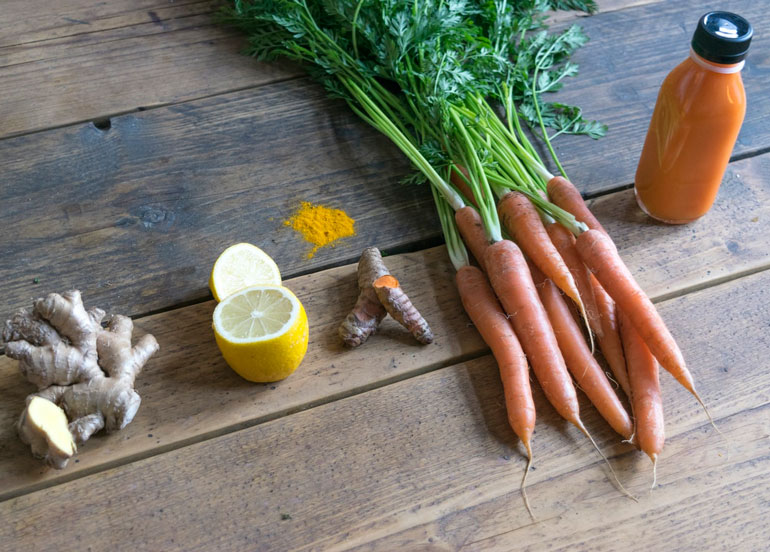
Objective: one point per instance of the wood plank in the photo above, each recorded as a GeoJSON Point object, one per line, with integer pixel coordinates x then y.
{"type": "Point", "coordinates": [86, 76]}
{"type": "Point", "coordinates": [604, 6]}
{"type": "Point", "coordinates": [207, 398]}
{"type": "Point", "coordinates": [135, 216]}
{"type": "Point", "coordinates": [621, 70]}
{"type": "Point", "coordinates": [707, 502]}
{"type": "Point", "coordinates": [82, 61]}
{"type": "Point", "coordinates": [431, 462]}
{"type": "Point", "coordinates": [667, 261]}
{"type": "Point", "coordinates": [22, 22]}
{"type": "Point", "coordinates": [178, 55]}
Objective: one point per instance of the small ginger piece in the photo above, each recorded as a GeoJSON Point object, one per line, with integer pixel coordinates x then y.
{"type": "Point", "coordinates": [84, 372]}
{"type": "Point", "coordinates": [398, 305]}
{"type": "Point", "coordinates": [368, 312]}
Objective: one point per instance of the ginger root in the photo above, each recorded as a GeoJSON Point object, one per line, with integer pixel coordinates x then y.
{"type": "Point", "coordinates": [84, 373]}
{"type": "Point", "coordinates": [380, 295]}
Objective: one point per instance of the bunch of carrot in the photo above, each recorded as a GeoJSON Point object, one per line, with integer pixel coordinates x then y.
{"type": "Point", "coordinates": [522, 315]}
{"type": "Point", "coordinates": [424, 73]}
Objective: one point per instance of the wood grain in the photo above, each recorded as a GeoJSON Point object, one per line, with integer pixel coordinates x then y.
{"type": "Point", "coordinates": [189, 393]}
{"type": "Point", "coordinates": [706, 501]}
{"type": "Point", "coordinates": [603, 6]}
{"type": "Point", "coordinates": [135, 217]}
{"type": "Point", "coordinates": [430, 462]}
{"type": "Point", "coordinates": [79, 60]}
{"type": "Point", "coordinates": [668, 260]}
{"type": "Point", "coordinates": [87, 76]}
{"type": "Point", "coordinates": [621, 69]}
{"type": "Point", "coordinates": [22, 22]}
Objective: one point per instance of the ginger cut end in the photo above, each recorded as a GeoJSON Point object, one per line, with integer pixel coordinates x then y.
{"type": "Point", "coordinates": [50, 421]}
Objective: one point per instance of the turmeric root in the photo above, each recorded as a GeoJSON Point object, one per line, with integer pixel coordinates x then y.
{"type": "Point", "coordinates": [85, 373]}
{"type": "Point", "coordinates": [401, 308]}
{"type": "Point", "coordinates": [368, 312]}
{"type": "Point", "coordinates": [380, 295]}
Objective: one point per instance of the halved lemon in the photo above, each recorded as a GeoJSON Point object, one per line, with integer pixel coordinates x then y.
{"type": "Point", "coordinates": [262, 332]}
{"type": "Point", "coordinates": [240, 266]}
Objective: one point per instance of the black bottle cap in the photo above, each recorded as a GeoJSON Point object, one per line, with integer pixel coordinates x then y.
{"type": "Point", "coordinates": [722, 37]}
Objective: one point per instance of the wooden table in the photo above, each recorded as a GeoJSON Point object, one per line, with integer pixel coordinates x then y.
{"type": "Point", "coordinates": [136, 144]}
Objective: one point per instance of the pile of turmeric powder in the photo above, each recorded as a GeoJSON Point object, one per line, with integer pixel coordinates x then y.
{"type": "Point", "coordinates": [321, 225]}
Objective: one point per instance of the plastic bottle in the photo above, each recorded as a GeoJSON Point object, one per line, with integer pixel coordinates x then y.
{"type": "Point", "coordinates": [697, 117]}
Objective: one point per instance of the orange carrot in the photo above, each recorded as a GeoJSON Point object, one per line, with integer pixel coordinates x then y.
{"type": "Point", "coordinates": [609, 341]}
{"type": "Point", "coordinates": [645, 392]}
{"type": "Point", "coordinates": [602, 258]}
{"type": "Point", "coordinates": [472, 231]}
{"type": "Point", "coordinates": [512, 282]}
{"type": "Point", "coordinates": [487, 315]}
{"type": "Point", "coordinates": [564, 242]}
{"type": "Point", "coordinates": [580, 361]}
{"type": "Point", "coordinates": [460, 183]}
{"type": "Point", "coordinates": [564, 194]}
{"type": "Point", "coordinates": [522, 221]}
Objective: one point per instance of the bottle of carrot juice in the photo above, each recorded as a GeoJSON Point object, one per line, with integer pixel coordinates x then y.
{"type": "Point", "coordinates": [699, 111]}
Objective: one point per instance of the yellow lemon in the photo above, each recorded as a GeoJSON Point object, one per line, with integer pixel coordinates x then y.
{"type": "Point", "coordinates": [262, 332]}
{"type": "Point", "coordinates": [240, 266]}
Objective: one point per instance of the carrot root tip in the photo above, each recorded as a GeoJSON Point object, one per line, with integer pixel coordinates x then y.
{"type": "Point", "coordinates": [622, 489]}
{"type": "Point", "coordinates": [711, 421]}
{"type": "Point", "coordinates": [524, 482]}
{"type": "Point", "coordinates": [654, 458]}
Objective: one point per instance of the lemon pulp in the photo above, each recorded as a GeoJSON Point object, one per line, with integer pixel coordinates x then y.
{"type": "Point", "coordinates": [240, 266]}
{"type": "Point", "coordinates": [262, 332]}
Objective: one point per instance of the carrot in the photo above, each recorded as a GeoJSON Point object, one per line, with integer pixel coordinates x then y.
{"type": "Point", "coordinates": [487, 315]}
{"type": "Point", "coordinates": [564, 242]}
{"type": "Point", "coordinates": [602, 258]}
{"type": "Point", "coordinates": [513, 285]}
{"type": "Point", "coordinates": [460, 183]}
{"type": "Point", "coordinates": [645, 393]}
{"type": "Point", "coordinates": [523, 222]}
{"type": "Point", "coordinates": [609, 341]}
{"type": "Point", "coordinates": [512, 282]}
{"type": "Point", "coordinates": [564, 194]}
{"type": "Point", "coordinates": [472, 230]}
{"type": "Point", "coordinates": [580, 361]}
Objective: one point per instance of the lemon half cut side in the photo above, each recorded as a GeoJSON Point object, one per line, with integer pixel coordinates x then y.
{"type": "Point", "coordinates": [240, 266]}
{"type": "Point", "coordinates": [262, 332]}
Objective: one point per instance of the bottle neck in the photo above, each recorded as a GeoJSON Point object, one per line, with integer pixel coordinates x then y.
{"type": "Point", "coordinates": [716, 67]}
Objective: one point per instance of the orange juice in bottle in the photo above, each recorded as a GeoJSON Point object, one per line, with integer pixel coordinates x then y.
{"type": "Point", "coordinates": [699, 111]}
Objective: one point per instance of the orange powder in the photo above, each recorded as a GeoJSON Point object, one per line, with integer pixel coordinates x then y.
{"type": "Point", "coordinates": [321, 225]}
